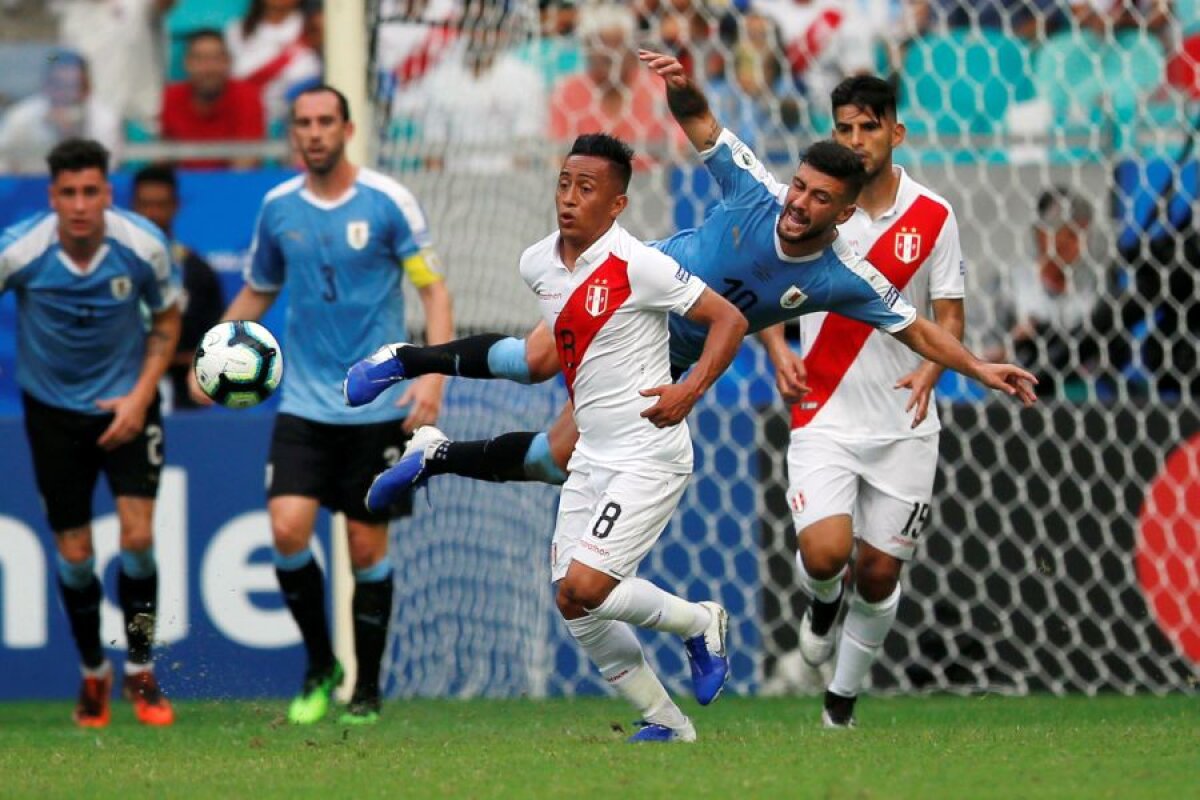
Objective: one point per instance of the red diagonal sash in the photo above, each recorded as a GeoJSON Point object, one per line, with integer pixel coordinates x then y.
{"type": "Point", "coordinates": [897, 254]}
{"type": "Point", "coordinates": [589, 307]}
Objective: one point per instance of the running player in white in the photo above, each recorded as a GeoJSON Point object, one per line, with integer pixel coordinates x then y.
{"type": "Point", "coordinates": [863, 455]}
{"type": "Point", "coordinates": [606, 297]}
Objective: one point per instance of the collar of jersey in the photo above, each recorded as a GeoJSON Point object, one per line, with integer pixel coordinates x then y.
{"type": "Point", "coordinates": [599, 250]}
{"type": "Point", "coordinates": [784, 256]}
{"type": "Point", "coordinates": [901, 195]}
{"type": "Point", "coordinates": [329, 205]}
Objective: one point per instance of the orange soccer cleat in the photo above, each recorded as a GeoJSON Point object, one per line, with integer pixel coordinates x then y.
{"type": "Point", "coordinates": [94, 709]}
{"type": "Point", "coordinates": [150, 705]}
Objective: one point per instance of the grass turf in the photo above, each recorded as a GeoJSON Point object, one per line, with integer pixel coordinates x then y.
{"type": "Point", "coordinates": [932, 747]}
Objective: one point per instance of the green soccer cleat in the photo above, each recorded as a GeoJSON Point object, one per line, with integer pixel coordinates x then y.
{"type": "Point", "coordinates": [363, 709]}
{"type": "Point", "coordinates": [312, 703]}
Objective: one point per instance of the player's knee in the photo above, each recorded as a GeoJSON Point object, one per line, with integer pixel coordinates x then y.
{"type": "Point", "coordinates": [567, 606]}
{"type": "Point", "coordinates": [289, 537]}
{"type": "Point", "coordinates": [823, 560]}
{"type": "Point", "coordinates": [75, 549]}
{"type": "Point", "coordinates": [876, 578]}
{"type": "Point", "coordinates": [137, 536]}
{"type": "Point", "coordinates": [584, 592]}
{"type": "Point", "coordinates": [366, 554]}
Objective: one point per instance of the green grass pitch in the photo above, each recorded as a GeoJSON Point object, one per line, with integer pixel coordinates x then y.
{"type": "Point", "coordinates": [918, 747]}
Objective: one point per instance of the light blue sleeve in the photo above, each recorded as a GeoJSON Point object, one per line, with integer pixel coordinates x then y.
{"type": "Point", "coordinates": [741, 176]}
{"type": "Point", "coordinates": [266, 270]}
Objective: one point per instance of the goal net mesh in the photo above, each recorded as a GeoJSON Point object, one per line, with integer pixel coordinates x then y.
{"type": "Point", "coordinates": [1062, 553]}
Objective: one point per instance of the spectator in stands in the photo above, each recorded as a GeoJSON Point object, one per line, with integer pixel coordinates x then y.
{"type": "Point", "coordinates": [556, 52]}
{"type": "Point", "coordinates": [210, 105]}
{"type": "Point", "coordinates": [65, 109]}
{"type": "Point", "coordinates": [758, 102]}
{"type": "Point", "coordinates": [271, 51]}
{"type": "Point", "coordinates": [1029, 19]}
{"type": "Point", "coordinates": [614, 94]}
{"type": "Point", "coordinates": [824, 40]}
{"type": "Point", "coordinates": [156, 197]}
{"type": "Point", "coordinates": [122, 41]}
{"type": "Point", "coordinates": [1054, 298]}
{"type": "Point", "coordinates": [482, 108]}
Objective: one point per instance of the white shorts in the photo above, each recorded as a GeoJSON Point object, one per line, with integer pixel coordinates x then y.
{"type": "Point", "coordinates": [886, 487]}
{"type": "Point", "coordinates": [609, 520]}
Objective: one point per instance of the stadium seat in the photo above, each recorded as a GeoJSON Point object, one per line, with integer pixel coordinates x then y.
{"type": "Point", "coordinates": [961, 82]}
{"type": "Point", "coordinates": [192, 15]}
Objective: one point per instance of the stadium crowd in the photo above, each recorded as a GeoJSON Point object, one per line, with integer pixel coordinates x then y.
{"type": "Point", "coordinates": [481, 86]}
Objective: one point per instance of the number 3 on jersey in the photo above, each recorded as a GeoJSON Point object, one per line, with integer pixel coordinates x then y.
{"type": "Point", "coordinates": [329, 293]}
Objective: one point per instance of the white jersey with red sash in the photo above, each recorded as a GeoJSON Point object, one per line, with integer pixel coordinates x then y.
{"type": "Point", "coordinates": [851, 367]}
{"type": "Point", "coordinates": [609, 317]}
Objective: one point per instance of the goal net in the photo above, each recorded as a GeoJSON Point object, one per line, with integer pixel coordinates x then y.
{"type": "Point", "coordinates": [1062, 553]}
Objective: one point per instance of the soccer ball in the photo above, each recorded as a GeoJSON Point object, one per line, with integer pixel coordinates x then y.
{"type": "Point", "coordinates": [238, 364]}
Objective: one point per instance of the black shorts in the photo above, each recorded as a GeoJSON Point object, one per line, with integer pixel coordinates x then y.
{"type": "Point", "coordinates": [67, 460]}
{"type": "Point", "coordinates": [335, 463]}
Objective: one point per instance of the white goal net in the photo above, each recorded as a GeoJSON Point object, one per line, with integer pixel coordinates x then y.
{"type": "Point", "coordinates": [1062, 555]}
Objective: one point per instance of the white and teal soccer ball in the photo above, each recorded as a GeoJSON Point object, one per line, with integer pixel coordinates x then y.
{"type": "Point", "coordinates": [238, 364]}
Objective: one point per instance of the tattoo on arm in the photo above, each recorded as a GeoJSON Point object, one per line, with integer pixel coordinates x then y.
{"type": "Point", "coordinates": [713, 133]}
{"type": "Point", "coordinates": [686, 102]}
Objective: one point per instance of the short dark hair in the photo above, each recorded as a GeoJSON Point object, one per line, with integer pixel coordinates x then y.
{"type": "Point", "coordinates": [837, 161]}
{"type": "Point", "coordinates": [343, 103]}
{"type": "Point", "coordinates": [611, 149]}
{"type": "Point", "coordinates": [1059, 205]}
{"type": "Point", "coordinates": [160, 174]}
{"type": "Point", "coordinates": [867, 92]}
{"type": "Point", "coordinates": [75, 155]}
{"type": "Point", "coordinates": [205, 33]}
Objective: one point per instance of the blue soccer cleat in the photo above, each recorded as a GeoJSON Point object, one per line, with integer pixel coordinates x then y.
{"type": "Point", "coordinates": [653, 732]}
{"type": "Point", "coordinates": [706, 656]}
{"type": "Point", "coordinates": [370, 377]}
{"type": "Point", "coordinates": [408, 473]}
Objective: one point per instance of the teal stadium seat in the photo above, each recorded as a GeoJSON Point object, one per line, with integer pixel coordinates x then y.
{"type": "Point", "coordinates": [959, 84]}
{"type": "Point", "coordinates": [193, 15]}
{"type": "Point", "coordinates": [1092, 81]}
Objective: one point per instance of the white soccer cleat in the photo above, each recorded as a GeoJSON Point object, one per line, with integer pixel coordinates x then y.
{"type": "Point", "coordinates": [409, 471]}
{"type": "Point", "coordinates": [814, 649]}
{"type": "Point", "coordinates": [838, 713]}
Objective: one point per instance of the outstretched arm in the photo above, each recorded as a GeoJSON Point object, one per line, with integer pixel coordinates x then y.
{"type": "Point", "coordinates": [949, 315]}
{"type": "Point", "coordinates": [936, 344]}
{"type": "Point", "coordinates": [726, 327]}
{"type": "Point", "coordinates": [688, 104]}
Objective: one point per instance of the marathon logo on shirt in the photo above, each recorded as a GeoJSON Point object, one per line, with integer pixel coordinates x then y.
{"type": "Point", "coordinates": [121, 287]}
{"type": "Point", "coordinates": [357, 234]}
{"type": "Point", "coordinates": [908, 245]}
{"type": "Point", "coordinates": [597, 299]}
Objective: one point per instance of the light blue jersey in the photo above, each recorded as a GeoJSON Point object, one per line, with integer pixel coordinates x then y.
{"type": "Point", "coordinates": [81, 332]}
{"type": "Point", "coordinates": [342, 263]}
{"type": "Point", "coordinates": [736, 251]}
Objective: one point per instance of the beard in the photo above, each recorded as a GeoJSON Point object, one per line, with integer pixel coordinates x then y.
{"type": "Point", "coordinates": [809, 234]}
{"type": "Point", "coordinates": [324, 164]}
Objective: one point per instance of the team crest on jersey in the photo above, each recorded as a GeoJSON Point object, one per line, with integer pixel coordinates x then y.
{"type": "Point", "coordinates": [121, 287]}
{"type": "Point", "coordinates": [792, 298]}
{"type": "Point", "coordinates": [596, 300]}
{"type": "Point", "coordinates": [908, 245]}
{"type": "Point", "coordinates": [357, 234]}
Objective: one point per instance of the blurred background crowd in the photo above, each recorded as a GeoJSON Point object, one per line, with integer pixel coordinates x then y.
{"type": "Point", "coordinates": [1096, 293]}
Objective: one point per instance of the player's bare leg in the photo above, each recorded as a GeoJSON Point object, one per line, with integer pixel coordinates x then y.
{"type": "Point", "coordinates": [869, 618]}
{"type": "Point", "coordinates": [303, 586]}
{"type": "Point", "coordinates": [372, 610]}
{"type": "Point", "coordinates": [137, 591]}
{"type": "Point", "coordinates": [82, 595]}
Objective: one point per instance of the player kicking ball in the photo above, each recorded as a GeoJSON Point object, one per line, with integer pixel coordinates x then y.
{"type": "Point", "coordinates": [606, 296]}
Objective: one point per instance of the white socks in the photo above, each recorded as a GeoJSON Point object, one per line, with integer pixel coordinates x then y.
{"type": "Point", "coordinates": [615, 650]}
{"type": "Point", "coordinates": [863, 631]}
{"type": "Point", "coordinates": [639, 602]}
{"type": "Point", "coordinates": [826, 591]}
